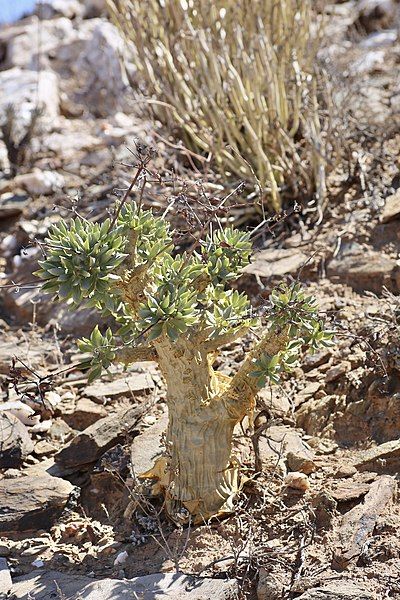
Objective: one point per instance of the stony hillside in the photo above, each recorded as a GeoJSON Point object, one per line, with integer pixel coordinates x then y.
{"type": "Point", "coordinates": [318, 518]}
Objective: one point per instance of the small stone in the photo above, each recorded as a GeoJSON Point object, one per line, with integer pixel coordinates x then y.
{"type": "Point", "coordinates": [4, 550]}
{"type": "Point", "coordinates": [269, 586]}
{"type": "Point", "coordinates": [339, 590]}
{"type": "Point", "coordinates": [337, 372]}
{"type": "Point", "coordinates": [53, 399]}
{"type": "Point", "coordinates": [40, 182]}
{"type": "Point", "coordinates": [297, 481]}
{"type": "Point", "coordinates": [349, 490]}
{"type": "Point", "coordinates": [369, 270]}
{"type": "Point", "coordinates": [22, 411]}
{"type": "Point", "coordinates": [391, 209]}
{"type": "Point", "coordinates": [311, 361]}
{"type": "Point", "coordinates": [38, 563]}
{"type": "Point", "coordinates": [307, 392]}
{"type": "Point", "coordinates": [345, 471]}
{"type": "Point", "coordinates": [25, 89]}
{"type": "Point", "coordinates": [5, 577]}
{"type": "Point", "coordinates": [44, 448]}
{"type": "Point", "coordinates": [121, 558]}
{"type": "Point", "coordinates": [15, 441]}
{"type": "Point", "coordinates": [324, 506]}
{"type": "Point", "coordinates": [275, 401]}
{"type": "Point", "coordinates": [41, 427]}
{"type": "Point", "coordinates": [288, 443]}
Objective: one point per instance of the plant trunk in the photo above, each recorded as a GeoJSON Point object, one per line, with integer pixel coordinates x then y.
{"type": "Point", "coordinates": [201, 475]}
{"type": "Point", "coordinates": [198, 472]}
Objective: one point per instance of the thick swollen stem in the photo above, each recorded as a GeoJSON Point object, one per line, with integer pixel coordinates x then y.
{"type": "Point", "coordinates": [204, 407]}
{"type": "Point", "coordinates": [198, 443]}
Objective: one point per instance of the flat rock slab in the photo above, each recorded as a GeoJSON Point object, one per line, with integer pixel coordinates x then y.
{"type": "Point", "coordinates": [15, 441]}
{"type": "Point", "coordinates": [175, 586]}
{"type": "Point", "coordinates": [146, 447]}
{"type": "Point", "coordinates": [359, 522]}
{"type": "Point", "coordinates": [32, 502]}
{"type": "Point", "coordinates": [276, 262]}
{"type": "Point", "coordinates": [365, 271]}
{"type": "Point", "coordinates": [120, 387]}
{"type": "Point", "coordinates": [384, 458]}
{"type": "Point", "coordinates": [34, 356]}
{"type": "Point", "coordinates": [89, 445]}
{"type": "Point", "coordinates": [349, 490]}
{"type": "Point", "coordinates": [339, 590]}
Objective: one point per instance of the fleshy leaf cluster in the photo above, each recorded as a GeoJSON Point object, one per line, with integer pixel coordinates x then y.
{"type": "Point", "coordinates": [292, 309]}
{"type": "Point", "coordinates": [81, 262]}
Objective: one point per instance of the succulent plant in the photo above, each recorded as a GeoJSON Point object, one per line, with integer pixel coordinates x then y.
{"type": "Point", "coordinates": [179, 310]}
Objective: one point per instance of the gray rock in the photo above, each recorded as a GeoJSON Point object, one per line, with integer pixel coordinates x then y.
{"type": "Point", "coordinates": [287, 442]}
{"type": "Point", "coordinates": [32, 502]}
{"type": "Point", "coordinates": [269, 586]}
{"type": "Point", "coordinates": [43, 586]}
{"type": "Point", "coordinates": [15, 441]}
{"type": "Point", "coordinates": [339, 590]}
{"type": "Point", "coordinates": [64, 8]}
{"type": "Point", "coordinates": [101, 64]}
{"type": "Point", "coordinates": [89, 445]}
{"type": "Point", "coordinates": [84, 414]}
{"type": "Point", "coordinates": [5, 577]}
{"type": "Point", "coordinates": [283, 261]}
{"type": "Point", "coordinates": [146, 447]}
{"type": "Point", "coordinates": [40, 182]}
{"type": "Point", "coordinates": [36, 356]}
{"type": "Point", "coordinates": [23, 43]}
{"type": "Point", "coordinates": [365, 271]}
{"type": "Point", "coordinates": [25, 89]}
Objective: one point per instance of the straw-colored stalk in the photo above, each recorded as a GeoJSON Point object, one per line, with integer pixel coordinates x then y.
{"type": "Point", "coordinates": [238, 77]}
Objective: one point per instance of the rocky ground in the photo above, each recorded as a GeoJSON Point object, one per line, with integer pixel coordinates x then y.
{"type": "Point", "coordinates": [318, 518]}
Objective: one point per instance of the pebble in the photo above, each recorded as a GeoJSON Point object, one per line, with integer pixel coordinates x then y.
{"type": "Point", "coordinates": [121, 558]}
{"type": "Point", "coordinates": [297, 481]}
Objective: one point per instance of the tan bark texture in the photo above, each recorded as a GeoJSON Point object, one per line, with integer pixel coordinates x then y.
{"type": "Point", "coordinates": [199, 472]}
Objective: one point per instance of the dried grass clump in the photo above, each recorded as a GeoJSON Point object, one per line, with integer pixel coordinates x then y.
{"type": "Point", "coordinates": [238, 77]}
